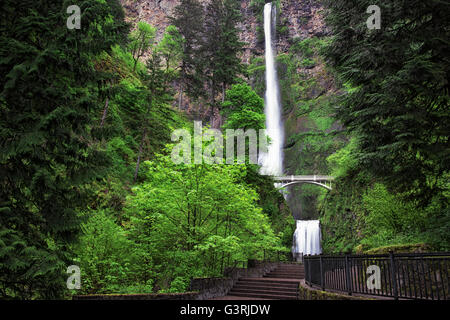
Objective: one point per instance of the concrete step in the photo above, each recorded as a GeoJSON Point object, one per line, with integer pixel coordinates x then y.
{"type": "Point", "coordinates": [264, 295]}
{"type": "Point", "coordinates": [291, 266]}
{"type": "Point", "coordinates": [284, 275]}
{"type": "Point", "coordinates": [265, 291]}
{"type": "Point", "coordinates": [264, 284]}
{"type": "Point", "coordinates": [264, 288]}
{"type": "Point", "coordinates": [269, 280]}
{"type": "Point", "coordinates": [287, 272]}
{"type": "Point", "coordinates": [269, 284]}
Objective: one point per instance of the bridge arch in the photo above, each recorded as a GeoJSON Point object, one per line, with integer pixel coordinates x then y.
{"type": "Point", "coordinates": [328, 187]}
{"type": "Point", "coordinates": [322, 181]}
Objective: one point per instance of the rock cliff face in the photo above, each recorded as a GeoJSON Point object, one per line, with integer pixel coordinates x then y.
{"type": "Point", "coordinates": [302, 18]}
{"type": "Point", "coordinates": [155, 12]}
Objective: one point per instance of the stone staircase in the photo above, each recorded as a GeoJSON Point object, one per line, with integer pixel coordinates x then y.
{"type": "Point", "coordinates": [280, 284]}
{"type": "Point", "coordinates": [287, 271]}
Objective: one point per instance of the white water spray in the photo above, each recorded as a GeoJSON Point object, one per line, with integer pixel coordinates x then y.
{"type": "Point", "coordinates": [272, 161]}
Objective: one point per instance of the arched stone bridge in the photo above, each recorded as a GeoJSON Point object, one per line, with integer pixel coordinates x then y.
{"type": "Point", "coordinates": [323, 181]}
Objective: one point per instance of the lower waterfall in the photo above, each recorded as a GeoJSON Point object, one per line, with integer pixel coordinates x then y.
{"type": "Point", "coordinates": [306, 239]}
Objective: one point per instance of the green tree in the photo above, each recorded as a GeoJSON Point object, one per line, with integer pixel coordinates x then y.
{"type": "Point", "coordinates": [188, 18]}
{"type": "Point", "coordinates": [109, 261]}
{"type": "Point", "coordinates": [243, 108]}
{"type": "Point", "coordinates": [141, 40]}
{"type": "Point", "coordinates": [170, 48]}
{"type": "Point", "coordinates": [222, 46]}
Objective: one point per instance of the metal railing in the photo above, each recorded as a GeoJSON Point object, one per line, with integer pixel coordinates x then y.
{"type": "Point", "coordinates": [408, 276]}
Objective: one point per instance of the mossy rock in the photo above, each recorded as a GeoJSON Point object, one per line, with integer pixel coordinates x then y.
{"type": "Point", "coordinates": [361, 248]}
{"type": "Point", "coordinates": [306, 293]}
{"type": "Point", "coordinates": [400, 248]}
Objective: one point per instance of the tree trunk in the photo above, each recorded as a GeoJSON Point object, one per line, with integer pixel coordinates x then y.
{"type": "Point", "coordinates": [180, 98]}
{"type": "Point", "coordinates": [141, 146]}
{"type": "Point", "coordinates": [223, 92]}
{"type": "Point", "coordinates": [213, 102]}
{"type": "Point", "coordinates": [105, 112]}
{"type": "Point", "coordinates": [144, 134]}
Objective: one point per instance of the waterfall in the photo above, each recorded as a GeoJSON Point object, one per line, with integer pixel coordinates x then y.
{"type": "Point", "coordinates": [306, 238]}
{"type": "Point", "coordinates": [272, 161]}
{"type": "Point", "coordinates": [307, 234]}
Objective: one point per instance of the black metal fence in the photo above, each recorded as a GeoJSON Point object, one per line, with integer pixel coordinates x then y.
{"type": "Point", "coordinates": [409, 276]}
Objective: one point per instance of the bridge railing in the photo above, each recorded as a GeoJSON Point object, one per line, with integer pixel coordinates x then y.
{"type": "Point", "coordinates": [406, 276]}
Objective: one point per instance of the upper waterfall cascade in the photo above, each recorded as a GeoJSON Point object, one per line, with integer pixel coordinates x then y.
{"type": "Point", "coordinates": [272, 161]}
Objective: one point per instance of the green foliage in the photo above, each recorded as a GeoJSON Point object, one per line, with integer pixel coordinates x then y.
{"type": "Point", "coordinates": [282, 30]}
{"type": "Point", "coordinates": [179, 284]}
{"type": "Point", "coordinates": [308, 63]}
{"type": "Point", "coordinates": [361, 215]}
{"type": "Point", "coordinates": [256, 71]}
{"type": "Point", "coordinates": [389, 220]}
{"type": "Point", "coordinates": [109, 261]}
{"type": "Point", "coordinates": [243, 108]}
{"type": "Point", "coordinates": [343, 161]}
{"type": "Point", "coordinates": [140, 40]}
{"type": "Point", "coordinates": [273, 204]}
{"type": "Point", "coordinates": [400, 248]}
{"type": "Point", "coordinates": [171, 47]}
{"type": "Point", "coordinates": [304, 47]}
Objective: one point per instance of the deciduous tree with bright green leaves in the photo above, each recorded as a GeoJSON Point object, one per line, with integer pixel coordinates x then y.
{"type": "Point", "coordinates": [195, 219]}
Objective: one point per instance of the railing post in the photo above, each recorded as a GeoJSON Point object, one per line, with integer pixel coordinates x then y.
{"type": "Point", "coordinates": [393, 275]}
{"type": "Point", "coordinates": [309, 271]}
{"type": "Point", "coordinates": [347, 275]}
{"type": "Point", "coordinates": [305, 266]}
{"type": "Point", "coordinates": [322, 283]}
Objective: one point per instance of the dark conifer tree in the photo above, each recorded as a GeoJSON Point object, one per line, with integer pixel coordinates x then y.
{"type": "Point", "coordinates": [48, 87]}
{"type": "Point", "coordinates": [400, 80]}
{"type": "Point", "coordinates": [222, 46]}
{"type": "Point", "coordinates": [189, 20]}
